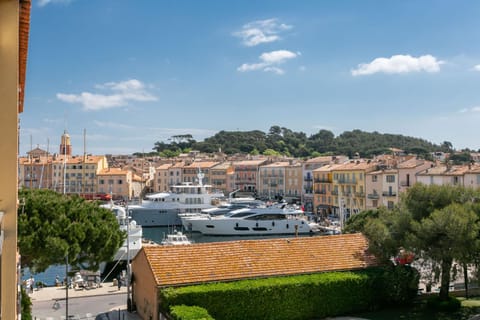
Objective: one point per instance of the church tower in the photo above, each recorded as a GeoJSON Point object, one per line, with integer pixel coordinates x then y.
{"type": "Point", "coordinates": [65, 144]}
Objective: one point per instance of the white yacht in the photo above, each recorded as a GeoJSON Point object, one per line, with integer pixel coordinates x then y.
{"type": "Point", "coordinates": [252, 221]}
{"type": "Point", "coordinates": [163, 209]}
{"type": "Point", "coordinates": [175, 239]}
{"type": "Point", "coordinates": [133, 242]}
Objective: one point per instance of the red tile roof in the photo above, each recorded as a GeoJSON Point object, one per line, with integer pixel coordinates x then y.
{"type": "Point", "coordinates": [244, 259]}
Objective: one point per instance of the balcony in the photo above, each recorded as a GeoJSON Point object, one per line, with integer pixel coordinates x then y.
{"type": "Point", "coordinates": [359, 194]}
{"type": "Point", "coordinates": [320, 192]}
{"type": "Point", "coordinates": [334, 193]}
{"type": "Point", "coordinates": [373, 196]}
{"type": "Point", "coordinates": [389, 194]}
{"type": "Point", "coordinates": [405, 183]}
{"type": "Point", "coordinates": [346, 181]}
{"type": "Point", "coordinates": [307, 178]}
{"type": "Point", "coordinates": [322, 180]}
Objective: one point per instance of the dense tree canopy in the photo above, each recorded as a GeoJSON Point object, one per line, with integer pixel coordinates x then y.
{"type": "Point", "coordinates": [297, 144]}
{"type": "Point", "coordinates": [51, 225]}
{"type": "Point", "coordinates": [440, 224]}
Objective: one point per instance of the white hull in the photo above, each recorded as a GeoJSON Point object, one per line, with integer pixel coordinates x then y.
{"type": "Point", "coordinates": [225, 226]}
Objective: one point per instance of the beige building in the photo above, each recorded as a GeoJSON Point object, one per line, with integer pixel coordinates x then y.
{"type": "Point", "coordinates": [220, 177]}
{"type": "Point", "coordinates": [407, 172]}
{"type": "Point", "coordinates": [117, 182]}
{"type": "Point", "coordinates": [246, 174]}
{"type": "Point", "coordinates": [472, 177]}
{"type": "Point", "coordinates": [77, 174]}
{"type": "Point", "coordinates": [323, 200]}
{"type": "Point", "coordinates": [161, 181]}
{"type": "Point", "coordinates": [190, 172]}
{"type": "Point", "coordinates": [35, 171]}
{"type": "Point", "coordinates": [14, 32]}
{"type": "Point", "coordinates": [271, 180]}
{"type": "Point", "coordinates": [443, 175]}
{"type": "Point", "coordinates": [349, 186]}
{"type": "Point", "coordinates": [294, 182]}
{"type": "Point", "coordinates": [308, 181]}
{"type": "Point", "coordinates": [382, 188]}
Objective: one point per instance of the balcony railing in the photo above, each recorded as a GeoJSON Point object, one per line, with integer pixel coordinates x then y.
{"type": "Point", "coordinates": [389, 194]}
{"type": "Point", "coordinates": [335, 193]}
{"type": "Point", "coordinates": [374, 196]}
{"type": "Point", "coordinates": [323, 180]}
{"type": "Point", "coordinates": [346, 181]}
{"type": "Point", "coordinates": [405, 183]}
{"type": "Point", "coordinates": [359, 194]}
{"type": "Point", "coordinates": [320, 192]}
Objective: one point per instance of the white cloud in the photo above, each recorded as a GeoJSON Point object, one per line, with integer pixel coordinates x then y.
{"type": "Point", "coordinates": [274, 70]}
{"type": "Point", "coordinates": [269, 61]}
{"type": "Point", "coordinates": [477, 67]}
{"type": "Point", "coordinates": [43, 3]}
{"type": "Point", "coordinates": [261, 31]}
{"type": "Point", "coordinates": [115, 125]}
{"type": "Point", "coordinates": [123, 93]}
{"type": "Point", "coordinates": [470, 110]}
{"type": "Point", "coordinates": [399, 64]}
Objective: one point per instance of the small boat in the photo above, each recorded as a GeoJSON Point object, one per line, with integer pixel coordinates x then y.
{"type": "Point", "coordinates": [175, 239]}
{"type": "Point", "coordinates": [273, 220]}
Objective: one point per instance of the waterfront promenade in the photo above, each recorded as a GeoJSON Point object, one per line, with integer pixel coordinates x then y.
{"type": "Point", "coordinates": [43, 299]}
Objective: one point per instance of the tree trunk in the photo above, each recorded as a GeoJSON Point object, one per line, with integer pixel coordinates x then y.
{"type": "Point", "coordinates": [445, 281]}
{"type": "Point", "coordinates": [465, 279]}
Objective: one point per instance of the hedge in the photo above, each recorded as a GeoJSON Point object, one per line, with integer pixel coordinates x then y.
{"type": "Point", "coordinates": [298, 297]}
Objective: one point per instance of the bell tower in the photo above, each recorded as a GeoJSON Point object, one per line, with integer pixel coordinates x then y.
{"type": "Point", "coordinates": [65, 144]}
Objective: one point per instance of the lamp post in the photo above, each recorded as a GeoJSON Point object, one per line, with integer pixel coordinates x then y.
{"type": "Point", "coordinates": [66, 286]}
{"type": "Point", "coordinates": [127, 282]}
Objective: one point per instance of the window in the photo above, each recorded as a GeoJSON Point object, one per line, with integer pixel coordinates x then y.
{"type": "Point", "coordinates": [390, 178]}
{"type": "Point", "coordinates": [120, 181]}
{"type": "Point", "coordinates": [101, 181]}
{"type": "Point", "coordinates": [374, 178]}
{"type": "Point", "coordinates": [390, 204]}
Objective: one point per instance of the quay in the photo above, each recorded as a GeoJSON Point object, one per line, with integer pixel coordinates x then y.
{"type": "Point", "coordinates": [48, 295]}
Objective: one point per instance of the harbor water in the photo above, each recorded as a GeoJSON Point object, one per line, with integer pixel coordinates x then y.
{"type": "Point", "coordinates": [155, 234]}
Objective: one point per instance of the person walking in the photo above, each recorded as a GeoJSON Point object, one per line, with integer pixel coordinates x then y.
{"type": "Point", "coordinates": [31, 282]}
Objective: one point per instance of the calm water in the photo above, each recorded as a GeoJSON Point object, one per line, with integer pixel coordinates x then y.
{"type": "Point", "coordinates": [155, 234]}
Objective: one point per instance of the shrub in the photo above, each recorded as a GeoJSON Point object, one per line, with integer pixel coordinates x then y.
{"type": "Point", "coordinates": [184, 312]}
{"type": "Point", "coordinates": [437, 304]}
{"type": "Point", "coordinates": [26, 306]}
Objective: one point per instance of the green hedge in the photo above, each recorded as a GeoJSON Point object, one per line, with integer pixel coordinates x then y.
{"type": "Point", "coordinates": [295, 297]}
{"type": "Point", "coordinates": [184, 312]}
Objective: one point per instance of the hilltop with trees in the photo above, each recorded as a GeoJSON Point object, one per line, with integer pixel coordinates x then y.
{"type": "Point", "coordinates": [283, 141]}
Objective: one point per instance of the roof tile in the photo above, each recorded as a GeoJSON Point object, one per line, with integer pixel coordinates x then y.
{"type": "Point", "coordinates": [243, 259]}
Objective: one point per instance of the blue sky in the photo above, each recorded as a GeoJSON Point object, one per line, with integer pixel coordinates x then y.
{"type": "Point", "coordinates": [131, 73]}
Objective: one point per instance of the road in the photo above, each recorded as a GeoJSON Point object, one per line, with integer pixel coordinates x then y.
{"type": "Point", "coordinates": [79, 308]}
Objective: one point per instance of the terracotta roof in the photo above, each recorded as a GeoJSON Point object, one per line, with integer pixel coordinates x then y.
{"type": "Point", "coordinates": [24, 30]}
{"type": "Point", "coordinates": [112, 172]}
{"type": "Point", "coordinates": [244, 259]}
{"type": "Point", "coordinates": [357, 165]}
{"type": "Point", "coordinates": [320, 159]}
{"type": "Point", "coordinates": [164, 166]}
{"type": "Point", "coordinates": [410, 163]}
{"type": "Point", "coordinates": [442, 170]}
{"type": "Point", "coordinates": [249, 162]}
{"type": "Point", "coordinates": [277, 165]}
{"type": "Point", "coordinates": [202, 164]}
{"type": "Point", "coordinates": [328, 168]}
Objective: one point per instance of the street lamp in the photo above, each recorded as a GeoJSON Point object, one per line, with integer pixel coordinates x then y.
{"type": "Point", "coordinates": [66, 286]}
{"type": "Point", "coordinates": [127, 282]}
